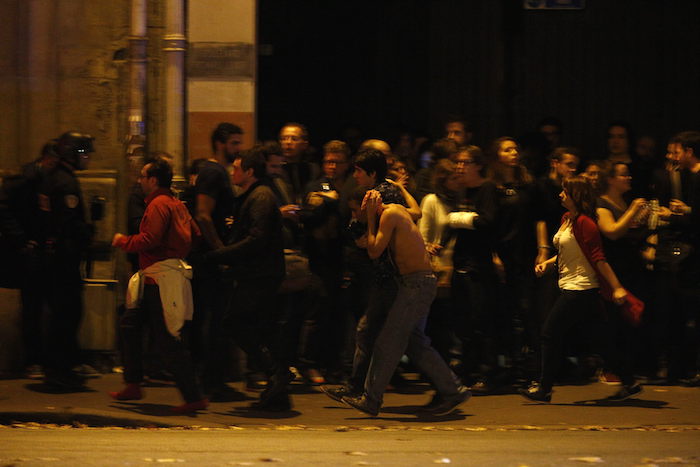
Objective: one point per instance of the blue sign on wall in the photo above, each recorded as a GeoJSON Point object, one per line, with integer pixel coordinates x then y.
{"type": "Point", "coordinates": [554, 4]}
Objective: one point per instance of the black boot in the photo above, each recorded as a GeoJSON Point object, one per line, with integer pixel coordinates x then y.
{"type": "Point", "coordinates": [280, 402]}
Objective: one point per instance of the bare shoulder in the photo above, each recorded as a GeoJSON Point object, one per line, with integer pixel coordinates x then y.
{"type": "Point", "coordinates": [395, 210]}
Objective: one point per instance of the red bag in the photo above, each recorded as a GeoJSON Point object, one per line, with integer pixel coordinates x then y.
{"type": "Point", "coordinates": [632, 309]}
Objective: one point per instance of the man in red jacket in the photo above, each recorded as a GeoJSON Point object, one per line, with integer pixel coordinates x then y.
{"type": "Point", "coordinates": [160, 293]}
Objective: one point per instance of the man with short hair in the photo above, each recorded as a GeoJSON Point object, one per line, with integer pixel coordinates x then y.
{"type": "Point", "coordinates": [254, 256]}
{"type": "Point", "coordinates": [459, 130]}
{"type": "Point", "coordinates": [391, 228]}
{"type": "Point", "coordinates": [160, 293]}
{"type": "Point", "coordinates": [213, 199]}
{"type": "Point", "coordinates": [324, 217]}
{"type": "Point", "coordinates": [374, 279]}
{"type": "Point", "coordinates": [294, 139]}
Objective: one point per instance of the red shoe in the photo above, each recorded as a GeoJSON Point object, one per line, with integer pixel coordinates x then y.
{"type": "Point", "coordinates": [190, 407]}
{"type": "Point", "coordinates": [132, 392]}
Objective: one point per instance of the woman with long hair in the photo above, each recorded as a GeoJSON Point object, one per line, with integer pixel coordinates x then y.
{"type": "Point", "coordinates": [515, 248]}
{"type": "Point", "coordinates": [433, 224]}
{"type": "Point", "coordinates": [624, 232]}
{"type": "Point", "coordinates": [584, 274]}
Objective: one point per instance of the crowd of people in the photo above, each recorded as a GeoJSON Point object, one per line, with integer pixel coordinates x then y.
{"type": "Point", "coordinates": [484, 271]}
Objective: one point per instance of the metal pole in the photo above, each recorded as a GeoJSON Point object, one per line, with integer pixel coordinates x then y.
{"type": "Point", "coordinates": [174, 46]}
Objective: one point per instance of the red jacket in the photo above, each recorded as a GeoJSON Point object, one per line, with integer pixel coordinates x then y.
{"type": "Point", "coordinates": [588, 238]}
{"type": "Point", "coordinates": [167, 230]}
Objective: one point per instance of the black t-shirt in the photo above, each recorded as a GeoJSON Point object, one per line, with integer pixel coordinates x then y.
{"type": "Point", "coordinates": [548, 206]}
{"type": "Point", "coordinates": [474, 247]}
{"type": "Point", "coordinates": [213, 181]}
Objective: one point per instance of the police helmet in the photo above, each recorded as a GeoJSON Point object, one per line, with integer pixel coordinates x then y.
{"type": "Point", "coordinates": [72, 146]}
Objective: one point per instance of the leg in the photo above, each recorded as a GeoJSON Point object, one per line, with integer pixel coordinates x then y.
{"type": "Point", "coordinates": [411, 306]}
{"type": "Point", "coordinates": [173, 352]}
{"type": "Point", "coordinates": [571, 307]}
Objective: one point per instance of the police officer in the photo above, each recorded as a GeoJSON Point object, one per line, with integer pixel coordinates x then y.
{"type": "Point", "coordinates": [29, 207]}
{"type": "Point", "coordinates": [67, 237]}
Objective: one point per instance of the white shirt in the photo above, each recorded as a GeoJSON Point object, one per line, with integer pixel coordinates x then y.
{"type": "Point", "coordinates": [575, 272]}
{"type": "Point", "coordinates": [432, 226]}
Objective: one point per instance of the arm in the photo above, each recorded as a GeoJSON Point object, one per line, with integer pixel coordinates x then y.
{"type": "Point", "coordinates": [544, 249]}
{"type": "Point", "coordinates": [613, 229]}
{"type": "Point", "coordinates": [205, 207]}
{"type": "Point", "coordinates": [379, 232]}
{"type": "Point", "coordinates": [618, 292]}
{"type": "Point", "coordinates": [428, 224]}
{"type": "Point", "coordinates": [413, 207]}
{"type": "Point", "coordinates": [262, 224]}
{"type": "Point", "coordinates": [544, 266]}
{"type": "Point", "coordinates": [153, 226]}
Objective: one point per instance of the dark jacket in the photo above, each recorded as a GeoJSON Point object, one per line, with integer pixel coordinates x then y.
{"type": "Point", "coordinates": [254, 246]}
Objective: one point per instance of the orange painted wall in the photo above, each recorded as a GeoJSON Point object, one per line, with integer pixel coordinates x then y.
{"type": "Point", "coordinates": [201, 124]}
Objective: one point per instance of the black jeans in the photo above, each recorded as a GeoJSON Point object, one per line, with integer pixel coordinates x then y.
{"type": "Point", "coordinates": [575, 308]}
{"type": "Point", "coordinates": [172, 350]}
{"type": "Point", "coordinates": [250, 320]}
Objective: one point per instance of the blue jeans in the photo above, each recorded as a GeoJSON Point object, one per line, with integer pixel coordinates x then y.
{"type": "Point", "coordinates": [404, 332]}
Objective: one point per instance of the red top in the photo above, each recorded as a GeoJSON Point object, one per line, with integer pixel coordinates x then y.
{"type": "Point", "coordinates": [167, 230]}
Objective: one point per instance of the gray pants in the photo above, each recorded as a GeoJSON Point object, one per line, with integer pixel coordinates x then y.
{"type": "Point", "coordinates": [404, 332]}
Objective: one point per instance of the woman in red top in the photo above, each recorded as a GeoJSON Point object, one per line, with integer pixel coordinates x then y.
{"type": "Point", "coordinates": [584, 275]}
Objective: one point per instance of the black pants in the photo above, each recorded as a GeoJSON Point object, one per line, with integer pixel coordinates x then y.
{"type": "Point", "coordinates": [250, 319]}
{"type": "Point", "coordinates": [65, 303]}
{"type": "Point", "coordinates": [172, 350]}
{"type": "Point", "coordinates": [577, 308]}
{"type": "Point", "coordinates": [475, 316]}
{"type": "Point", "coordinates": [210, 347]}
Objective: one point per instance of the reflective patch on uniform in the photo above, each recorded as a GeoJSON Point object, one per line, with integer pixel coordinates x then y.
{"type": "Point", "coordinates": [71, 201]}
{"type": "Point", "coordinates": [44, 203]}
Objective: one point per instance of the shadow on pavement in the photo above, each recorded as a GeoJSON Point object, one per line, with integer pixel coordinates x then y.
{"type": "Point", "coordinates": [413, 415]}
{"type": "Point", "coordinates": [642, 403]}
{"type": "Point", "coordinates": [51, 389]}
{"type": "Point", "coordinates": [250, 412]}
{"type": "Point", "coordinates": [158, 410]}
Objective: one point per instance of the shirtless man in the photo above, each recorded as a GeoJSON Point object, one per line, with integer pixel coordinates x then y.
{"type": "Point", "coordinates": [390, 226]}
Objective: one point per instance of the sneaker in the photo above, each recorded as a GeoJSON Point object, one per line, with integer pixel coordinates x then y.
{"type": "Point", "coordinates": [255, 385]}
{"type": "Point", "coordinates": [535, 393]}
{"type": "Point", "coordinates": [435, 401]}
{"type": "Point", "coordinates": [450, 403]}
{"type": "Point", "coordinates": [225, 393]}
{"type": "Point", "coordinates": [693, 382]}
{"type": "Point", "coordinates": [362, 404]}
{"type": "Point", "coordinates": [278, 403]}
{"type": "Point", "coordinates": [65, 381]}
{"type": "Point", "coordinates": [481, 388]}
{"type": "Point", "coordinates": [85, 371]}
{"type": "Point", "coordinates": [132, 392]}
{"type": "Point", "coordinates": [625, 392]}
{"type": "Point", "coordinates": [190, 407]}
{"type": "Point", "coordinates": [34, 372]}
{"type": "Point", "coordinates": [337, 394]}
{"type": "Point", "coordinates": [608, 377]}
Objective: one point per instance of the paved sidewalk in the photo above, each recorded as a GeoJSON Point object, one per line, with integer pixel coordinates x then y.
{"type": "Point", "coordinates": [573, 407]}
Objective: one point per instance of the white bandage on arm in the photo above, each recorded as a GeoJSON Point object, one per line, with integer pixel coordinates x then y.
{"type": "Point", "coordinates": [462, 220]}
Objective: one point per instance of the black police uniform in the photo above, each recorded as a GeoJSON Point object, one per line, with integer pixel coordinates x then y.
{"type": "Point", "coordinates": [67, 239]}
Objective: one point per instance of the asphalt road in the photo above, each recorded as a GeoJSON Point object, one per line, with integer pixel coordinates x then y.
{"type": "Point", "coordinates": [392, 447]}
{"type": "Point", "coordinates": [41, 427]}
